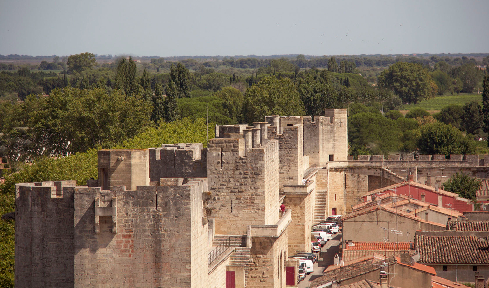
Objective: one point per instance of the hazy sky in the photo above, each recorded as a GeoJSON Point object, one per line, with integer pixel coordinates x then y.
{"type": "Point", "coordinates": [227, 27]}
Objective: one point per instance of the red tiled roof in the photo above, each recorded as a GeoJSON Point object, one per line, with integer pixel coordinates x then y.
{"type": "Point", "coordinates": [469, 226]}
{"type": "Point", "coordinates": [390, 210]}
{"type": "Point", "coordinates": [418, 266]}
{"type": "Point", "coordinates": [452, 249]}
{"type": "Point", "coordinates": [439, 282]}
{"type": "Point", "coordinates": [362, 284]}
{"type": "Point", "coordinates": [353, 269]}
{"type": "Point", "coordinates": [415, 184]}
{"type": "Point", "coordinates": [380, 246]}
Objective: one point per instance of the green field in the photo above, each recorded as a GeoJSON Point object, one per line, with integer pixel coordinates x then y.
{"type": "Point", "coordinates": [439, 102]}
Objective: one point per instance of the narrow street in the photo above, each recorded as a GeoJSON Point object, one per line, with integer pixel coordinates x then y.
{"type": "Point", "coordinates": [326, 258]}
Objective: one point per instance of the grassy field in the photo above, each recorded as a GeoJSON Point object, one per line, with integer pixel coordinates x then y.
{"type": "Point", "coordinates": [437, 103]}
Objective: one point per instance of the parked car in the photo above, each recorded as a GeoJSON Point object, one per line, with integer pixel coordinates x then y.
{"type": "Point", "coordinates": [324, 235]}
{"type": "Point", "coordinates": [306, 255]}
{"type": "Point", "coordinates": [316, 247]}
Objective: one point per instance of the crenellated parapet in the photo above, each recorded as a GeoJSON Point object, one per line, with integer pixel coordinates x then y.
{"type": "Point", "coordinates": [183, 160]}
{"type": "Point", "coordinates": [423, 160]}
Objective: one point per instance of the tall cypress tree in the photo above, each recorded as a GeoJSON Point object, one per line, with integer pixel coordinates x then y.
{"type": "Point", "coordinates": [158, 104]}
{"type": "Point", "coordinates": [171, 102]}
{"type": "Point", "coordinates": [485, 105]}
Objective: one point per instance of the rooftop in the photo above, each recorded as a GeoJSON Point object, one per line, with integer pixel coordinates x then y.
{"type": "Point", "coordinates": [452, 249]}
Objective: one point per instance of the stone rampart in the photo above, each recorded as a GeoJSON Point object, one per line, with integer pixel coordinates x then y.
{"type": "Point", "coordinates": [44, 234]}
{"type": "Point", "coordinates": [83, 236]}
{"type": "Point", "coordinates": [183, 160]}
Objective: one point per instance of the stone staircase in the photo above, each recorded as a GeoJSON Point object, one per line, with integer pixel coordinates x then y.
{"type": "Point", "coordinates": [229, 240]}
{"type": "Point", "coordinates": [242, 257]}
{"type": "Point", "coordinates": [320, 206]}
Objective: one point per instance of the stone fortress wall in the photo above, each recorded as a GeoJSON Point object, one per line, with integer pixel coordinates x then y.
{"type": "Point", "coordinates": [162, 228]}
{"type": "Point", "coordinates": [84, 236]}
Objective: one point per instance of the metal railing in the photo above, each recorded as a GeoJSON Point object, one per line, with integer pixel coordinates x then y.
{"type": "Point", "coordinates": [218, 250]}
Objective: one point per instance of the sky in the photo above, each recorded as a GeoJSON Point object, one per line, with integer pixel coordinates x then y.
{"type": "Point", "coordinates": [252, 27]}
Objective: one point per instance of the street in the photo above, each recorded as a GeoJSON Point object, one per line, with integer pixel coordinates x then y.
{"type": "Point", "coordinates": [326, 258]}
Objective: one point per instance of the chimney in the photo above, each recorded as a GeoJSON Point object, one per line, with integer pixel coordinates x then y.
{"type": "Point", "coordinates": [479, 281]}
{"type": "Point", "coordinates": [406, 259]}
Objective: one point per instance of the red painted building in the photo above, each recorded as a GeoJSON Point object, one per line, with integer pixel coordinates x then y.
{"type": "Point", "coordinates": [434, 196]}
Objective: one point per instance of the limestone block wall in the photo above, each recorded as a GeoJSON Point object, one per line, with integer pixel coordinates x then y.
{"type": "Point", "coordinates": [337, 196]}
{"type": "Point", "coordinates": [128, 168]}
{"type": "Point", "coordinates": [312, 139]}
{"type": "Point", "coordinates": [299, 229]}
{"type": "Point", "coordinates": [152, 246]}
{"type": "Point", "coordinates": [185, 160]}
{"type": "Point", "coordinates": [335, 134]}
{"type": "Point", "coordinates": [291, 169]}
{"type": "Point", "coordinates": [217, 277]}
{"type": "Point", "coordinates": [269, 255]}
{"type": "Point", "coordinates": [44, 234]}
{"type": "Point", "coordinates": [244, 187]}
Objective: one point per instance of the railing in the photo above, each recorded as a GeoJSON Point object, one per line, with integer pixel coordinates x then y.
{"type": "Point", "coordinates": [218, 250]}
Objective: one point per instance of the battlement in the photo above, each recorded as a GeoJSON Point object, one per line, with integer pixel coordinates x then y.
{"type": "Point", "coordinates": [48, 189]}
{"type": "Point", "coordinates": [183, 160]}
{"type": "Point", "coordinates": [453, 159]}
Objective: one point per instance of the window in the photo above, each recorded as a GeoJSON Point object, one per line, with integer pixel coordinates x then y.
{"type": "Point", "coordinates": [474, 268]}
{"type": "Point", "coordinates": [445, 268]}
{"type": "Point", "coordinates": [331, 157]}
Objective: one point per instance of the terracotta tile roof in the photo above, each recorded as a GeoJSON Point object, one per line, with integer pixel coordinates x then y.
{"type": "Point", "coordinates": [469, 226]}
{"type": "Point", "coordinates": [384, 198]}
{"type": "Point", "coordinates": [387, 200]}
{"type": "Point", "coordinates": [390, 210]}
{"type": "Point", "coordinates": [362, 284]}
{"type": "Point", "coordinates": [415, 184]}
{"type": "Point", "coordinates": [452, 249]}
{"type": "Point", "coordinates": [439, 282]}
{"type": "Point", "coordinates": [353, 269]}
{"type": "Point", "coordinates": [418, 266]}
{"type": "Point", "coordinates": [380, 246]}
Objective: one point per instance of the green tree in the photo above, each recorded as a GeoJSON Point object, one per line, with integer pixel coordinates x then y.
{"type": "Point", "coordinates": [468, 75]}
{"type": "Point", "coordinates": [417, 113]}
{"type": "Point", "coordinates": [451, 114]}
{"type": "Point", "coordinates": [272, 96]}
{"type": "Point", "coordinates": [179, 75]}
{"type": "Point", "coordinates": [410, 81]}
{"type": "Point", "coordinates": [393, 115]}
{"type": "Point", "coordinates": [332, 65]}
{"type": "Point", "coordinates": [158, 104]}
{"type": "Point", "coordinates": [443, 81]}
{"type": "Point", "coordinates": [472, 119]}
{"type": "Point", "coordinates": [80, 62]}
{"type": "Point", "coordinates": [171, 102]}
{"type": "Point", "coordinates": [485, 104]}
{"type": "Point", "coordinates": [463, 185]}
{"type": "Point", "coordinates": [125, 78]}
{"type": "Point", "coordinates": [372, 133]}
{"type": "Point", "coordinates": [233, 102]}
{"type": "Point", "coordinates": [439, 138]}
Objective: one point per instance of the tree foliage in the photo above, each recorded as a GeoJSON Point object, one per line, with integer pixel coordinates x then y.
{"type": "Point", "coordinates": [408, 80]}
{"type": "Point", "coordinates": [179, 75]}
{"type": "Point", "coordinates": [439, 138]}
{"type": "Point", "coordinates": [485, 104]}
{"type": "Point", "coordinates": [272, 96]}
{"type": "Point", "coordinates": [79, 62]}
{"type": "Point", "coordinates": [125, 78]}
{"type": "Point", "coordinates": [463, 185]}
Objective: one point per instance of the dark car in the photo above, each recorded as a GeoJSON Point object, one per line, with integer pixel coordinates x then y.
{"type": "Point", "coordinates": [306, 255]}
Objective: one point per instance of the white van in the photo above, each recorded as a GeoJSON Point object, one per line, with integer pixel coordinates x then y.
{"type": "Point", "coordinates": [309, 266]}
{"type": "Point", "coordinates": [322, 234]}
